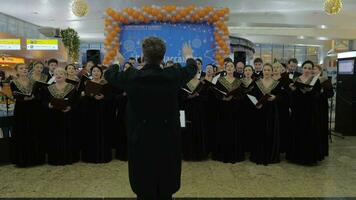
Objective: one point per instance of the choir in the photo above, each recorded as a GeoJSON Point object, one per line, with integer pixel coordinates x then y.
{"type": "Point", "coordinates": [259, 113]}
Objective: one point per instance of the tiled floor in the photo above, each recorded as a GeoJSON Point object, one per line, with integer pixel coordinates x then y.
{"type": "Point", "coordinates": [334, 177]}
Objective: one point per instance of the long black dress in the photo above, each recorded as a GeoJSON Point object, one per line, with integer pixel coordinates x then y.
{"type": "Point", "coordinates": [228, 136]}
{"type": "Point", "coordinates": [27, 145]}
{"type": "Point", "coordinates": [62, 138]}
{"type": "Point", "coordinates": [305, 139]}
{"type": "Point", "coordinates": [248, 113]}
{"type": "Point", "coordinates": [99, 116]}
{"type": "Point", "coordinates": [283, 112]}
{"type": "Point", "coordinates": [265, 142]}
{"type": "Point", "coordinates": [210, 109]}
{"type": "Point", "coordinates": [194, 141]}
{"type": "Point", "coordinates": [326, 93]}
{"type": "Point", "coordinates": [120, 135]}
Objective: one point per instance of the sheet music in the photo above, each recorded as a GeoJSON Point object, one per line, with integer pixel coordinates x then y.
{"type": "Point", "coordinates": [252, 99]}
{"type": "Point", "coordinates": [215, 79]}
{"type": "Point", "coordinates": [312, 83]}
{"type": "Point", "coordinates": [222, 92]}
{"type": "Point", "coordinates": [182, 118]}
{"type": "Point", "coordinates": [187, 90]}
{"type": "Point", "coordinates": [52, 80]}
{"type": "Point", "coordinates": [291, 76]}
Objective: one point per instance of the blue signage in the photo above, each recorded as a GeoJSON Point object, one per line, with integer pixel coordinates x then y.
{"type": "Point", "coordinates": [199, 36]}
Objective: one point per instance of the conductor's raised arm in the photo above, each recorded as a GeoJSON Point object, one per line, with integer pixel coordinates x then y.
{"type": "Point", "coordinates": [118, 78]}
{"type": "Point", "coordinates": [190, 70]}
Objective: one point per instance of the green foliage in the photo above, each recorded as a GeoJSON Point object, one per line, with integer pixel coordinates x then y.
{"type": "Point", "coordinates": [71, 41]}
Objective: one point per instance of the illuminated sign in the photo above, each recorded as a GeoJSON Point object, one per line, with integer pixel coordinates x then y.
{"type": "Point", "coordinates": [42, 44]}
{"type": "Point", "coordinates": [11, 60]}
{"type": "Point", "coordinates": [10, 44]}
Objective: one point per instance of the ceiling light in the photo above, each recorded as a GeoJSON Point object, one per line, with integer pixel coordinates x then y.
{"type": "Point", "coordinates": [322, 38]}
{"type": "Point", "coordinates": [301, 37]}
{"type": "Point", "coordinates": [323, 27]}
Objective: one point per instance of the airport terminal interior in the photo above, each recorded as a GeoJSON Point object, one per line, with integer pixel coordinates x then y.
{"type": "Point", "coordinates": [265, 106]}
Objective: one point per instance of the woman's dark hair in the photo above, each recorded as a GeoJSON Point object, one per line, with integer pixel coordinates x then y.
{"type": "Point", "coordinates": [268, 64]}
{"type": "Point", "coordinates": [198, 59]}
{"type": "Point", "coordinates": [229, 62]}
{"type": "Point", "coordinates": [66, 67]}
{"type": "Point", "coordinates": [257, 60]}
{"type": "Point", "coordinates": [18, 64]}
{"type": "Point", "coordinates": [52, 60]}
{"type": "Point", "coordinates": [96, 66]}
{"type": "Point", "coordinates": [38, 62]}
{"type": "Point", "coordinates": [308, 62]}
{"type": "Point", "coordinates": [249, 66]}
{"type": "Point", "coordinates": [227, 59]}
{"type": "Point", "coordinates": [210, 65]}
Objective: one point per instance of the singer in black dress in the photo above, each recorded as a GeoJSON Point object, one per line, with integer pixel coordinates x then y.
{"type": "Point", "coordinates": [248, 109]}
{"type": "Point", "coordinates": [229, 143]}
{"type": "Point", "coordinates": [99, 113]}
{"type": "Point", "coordinates": [209, 101]}
{"type": "Point", "coordinates": [283, 106]}
{"type": "Point", "coordinates": [265, 142]}
{"type": "Point", "coordinates": [326, 93]}
{"type": "Point", "coordinates": [194, 141]}
{"type": "Point", "coordinates": [305, 139]}
{"type": "Point", "coordinates": [27, 140]}
{"type": "Point", "coordinates": [62, 137]}
{"type": "Point", "coordinates": [120, 135]}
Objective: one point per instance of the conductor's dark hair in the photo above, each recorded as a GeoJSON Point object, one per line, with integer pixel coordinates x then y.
{"type": "Point", "coordinates": [294, 60]}
{"type": "Point", "coordinates": [96, 66]}
{"type": "Point", "coordinates": [308, 62]}
{"type": "Point", "coordinates": [257, 60]}
{"type": "Point", "coordinates": [132, 58]}
{"type": "Point", "coordinates": [52, 60]}
{"type": "Point", "coordinates": [199, 60]}
{"type": "Point", "coordinates": [153, 49]}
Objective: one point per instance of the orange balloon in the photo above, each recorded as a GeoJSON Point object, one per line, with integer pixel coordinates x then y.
{"type": "Point", "coordinates": [141, 18]}
{"type": "Point", "coordinates": [117, 29]}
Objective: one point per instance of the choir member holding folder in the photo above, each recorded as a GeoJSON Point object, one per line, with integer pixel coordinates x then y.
{"type": "Point", "coordinates": [305, 140]}
{"type": "Point", "coordinates": [228, 139]}
{"type": "Point", "coordinates": [265, 141]}
{"type": "Point", "coordinates": [323, 104]}
{"type": "Point", "coordinates": [60, 98]}
{"type": "Point", "coordinates": [283, 106]}
{"type": "Point", "coordinates": [99, 115]}
{"type": "Point", "coordinates": [194, 134]}
{"type": "Point", "coordinates": [26, 147]}
{"type": "Point", "coordinates": [248, 109]}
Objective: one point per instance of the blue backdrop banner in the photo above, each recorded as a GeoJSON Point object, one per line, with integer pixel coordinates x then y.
{"type": "Point", "coordinates": [200, 37]}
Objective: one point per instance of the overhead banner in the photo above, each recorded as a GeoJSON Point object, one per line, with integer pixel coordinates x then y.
{"type": "Point", "coordinates": [199, 36]}
{"type": "Point", "coordinates": [10, 44]}
{"type": "Point", "coordinates": [42, 44]}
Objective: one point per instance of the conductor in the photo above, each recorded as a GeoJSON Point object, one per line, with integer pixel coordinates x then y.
{"type": "Point", "coordinates": [154, 140]}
